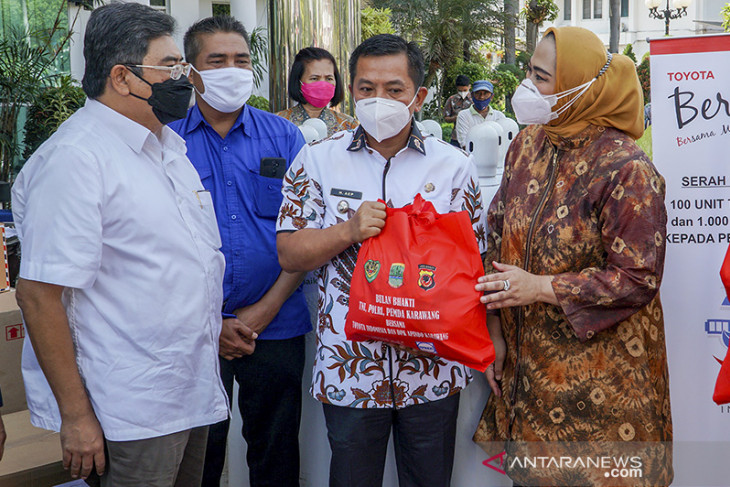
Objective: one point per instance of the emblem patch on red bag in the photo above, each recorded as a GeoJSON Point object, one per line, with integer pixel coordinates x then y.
{"type": "Point", "coordinates": [395, 278]}
{"type": "Point", "coordinates": [372, 267]}
{"type": "Point", "coordinates": [426, 276]}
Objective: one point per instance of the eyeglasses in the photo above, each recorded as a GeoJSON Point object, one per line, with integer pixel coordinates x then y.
{"type": "Point", "coordinates": [175, 71]}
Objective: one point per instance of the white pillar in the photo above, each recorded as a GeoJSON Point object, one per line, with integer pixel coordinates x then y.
{"type": "Point", "coordinates": [246, 12]}
{"type": "Point", "coordinates": [77, 20]}
{"type": "Point", "coordinates": [186, 13]}
{"type": "Point", "coordinates": [252, 14]}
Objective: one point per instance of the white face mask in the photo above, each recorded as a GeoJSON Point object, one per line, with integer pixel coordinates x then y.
{"type": "Point", "coordinates": [382, 118]}
{"type": "Point", "coordinates": [226, 89]}
{"type": "Point", "coordinates": [532, 107]}
{"type": "Point", "coordinates": [463, 94]}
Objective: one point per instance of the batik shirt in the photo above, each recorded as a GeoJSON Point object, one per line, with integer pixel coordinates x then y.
{"type": "Point", "coordinates": [334, 120]}
{"type": "Point", "coordinates": [325, 186]}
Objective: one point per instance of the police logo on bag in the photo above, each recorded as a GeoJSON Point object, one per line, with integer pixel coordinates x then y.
{"type": "Point", "coordinates": [426, 347]}
{"type": "Point", "coordinates": [395, 278]}
{"type": "Point", "coordinates": [426, 276]}
{"type": "Point", "coordinates": [372, 267]}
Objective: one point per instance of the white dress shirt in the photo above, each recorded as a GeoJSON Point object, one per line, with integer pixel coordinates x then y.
{"type": "Point", "coordinates": [325, 185]}
{"type": "Point", "coordinates": [120, 219]}
{"type": "Point", "coordinates": [471, 117]}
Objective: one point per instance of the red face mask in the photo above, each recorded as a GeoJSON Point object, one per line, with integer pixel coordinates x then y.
{"type": "Point", "coordinates": [319, 93]}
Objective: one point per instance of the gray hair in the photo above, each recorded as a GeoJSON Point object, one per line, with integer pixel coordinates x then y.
{"type": "Point", "coordinates": [119, 33]}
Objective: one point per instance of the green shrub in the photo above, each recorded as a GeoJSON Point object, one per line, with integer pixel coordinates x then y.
{"type": "Point", "coordinates": [259, 102]}
{"type": "Point", "coordinates": [645, 78]}
{"type": "Point", "coordinates": [375, 21]}
{"type": "Point", "coordinates": [446, 129]}
{"type": "Point", "coordinates": [474, 71]}
{"type": "Point", "coordinates": [52, 107]}
{"type": "Point", "coordinates": [629, 52]}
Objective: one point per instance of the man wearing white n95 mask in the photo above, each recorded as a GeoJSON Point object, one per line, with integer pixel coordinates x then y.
{"type": "Point", "coordinates": [241, 154]}
{"type": "Point", "coordinates": [330, 207]}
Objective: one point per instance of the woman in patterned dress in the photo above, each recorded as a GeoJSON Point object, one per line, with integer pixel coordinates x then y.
{"type": "Point", "coordinates": [576, 248]}
{"type": "Point", "coordinates": [315, 84]}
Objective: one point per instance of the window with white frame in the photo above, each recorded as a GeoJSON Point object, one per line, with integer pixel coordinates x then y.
{"type": "Point", "coordinates": [597, 9]}
{"type": "Point", "coordinates": [162, 5]}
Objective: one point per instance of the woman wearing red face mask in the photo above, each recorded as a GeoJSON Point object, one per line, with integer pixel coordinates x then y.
{"type": "Point", "coordinates": [315, 83]}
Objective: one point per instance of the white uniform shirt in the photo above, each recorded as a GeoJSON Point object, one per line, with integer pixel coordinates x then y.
{"type": "Point", "coordinates": [325, 185]}
{"type": "Point", "coordinates": [471, 117]}
{"type": "Point", "coordinates": [121, 220]}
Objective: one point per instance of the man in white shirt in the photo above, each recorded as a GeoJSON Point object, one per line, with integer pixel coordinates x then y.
{"type": "Point", "coordinates": [480, 111]}
{"type": "Point", "coordinates": [330, 207]}
{"type": "Point", "coordinates": [121, 276]}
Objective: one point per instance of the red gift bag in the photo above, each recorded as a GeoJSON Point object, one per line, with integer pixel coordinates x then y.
{"type": "Point", "coordinates": [414, 286]}
{"type": "Point", "coordinates": [722, 386]}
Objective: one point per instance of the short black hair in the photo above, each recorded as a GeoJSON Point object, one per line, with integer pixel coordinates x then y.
{"type": "Point", "coordinates": [388, 45]}
{"type": "Point", "coordinates": [304, 57]}
{"type": "Point", "coordinates": [210, 25]}
{"type": "Point", "coordinates": [462, 80]}
{"type": "Point", "coordinates": [119, 33]}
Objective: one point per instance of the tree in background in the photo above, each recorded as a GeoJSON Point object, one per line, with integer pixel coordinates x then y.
{"type": "Point", "coordinates": [29, 55]}
{"type": "Point", "coordinates": [535, 13]}
{"type": "Point", "coordinates": [614, 22]}
{"type": "Point", "coordinates": [510, 23]}
{"type": "Point", "coordinates": [446, 30]}
{"type": "Point", "coordinates": [725, 13]}
{"type": "Point", "coordinates": [375, 21]}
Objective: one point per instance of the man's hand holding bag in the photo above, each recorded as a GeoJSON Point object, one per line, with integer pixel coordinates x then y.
{"type": "Point", "coordinates": [413, 286]}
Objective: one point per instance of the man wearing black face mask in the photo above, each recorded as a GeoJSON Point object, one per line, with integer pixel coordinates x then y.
{"type": "Point", "coordinates": [121, 278]}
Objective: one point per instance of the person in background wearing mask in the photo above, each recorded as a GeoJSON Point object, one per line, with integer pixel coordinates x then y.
{"type": "Point", "coordinates": [120, 283]}
{"type": "Point", "coordinates": [479, 112]}
{"type": "Point", "coordinates": [577, 238]}
{"type": "Point", "coordinates": [315, 84]}
{"type": "Point", "coordinates": [241, 154]}
{"type": "Point", "coordinates": [330, 207]}
{"type": "Point", "coordinates": [458, 102]}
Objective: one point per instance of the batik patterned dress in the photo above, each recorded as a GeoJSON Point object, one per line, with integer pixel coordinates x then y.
{"type": "Point", "coordinates": [334, 120]}
{"type": "Point", "coordinates": [592, 369]}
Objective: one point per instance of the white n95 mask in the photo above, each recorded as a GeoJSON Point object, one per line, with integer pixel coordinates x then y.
{"type": "Point", "coordinates": [532, 107]}
{"type": "Point", "coordinates": [226, 89]}
{"type": "Point", "coordinates": [382, 118]}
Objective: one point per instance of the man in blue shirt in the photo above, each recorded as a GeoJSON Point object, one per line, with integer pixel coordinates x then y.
{"type": "Point", "coordinates": [241, 154]}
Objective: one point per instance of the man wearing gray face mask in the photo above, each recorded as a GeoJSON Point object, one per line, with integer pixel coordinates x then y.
{"type": "Point", "coordinates": [241, 154]}
{"type": "Point", "coordinates": [329, 209]}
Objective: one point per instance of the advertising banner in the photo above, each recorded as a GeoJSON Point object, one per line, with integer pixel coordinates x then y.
{"type": "Point", "coordinates": [690, 105]}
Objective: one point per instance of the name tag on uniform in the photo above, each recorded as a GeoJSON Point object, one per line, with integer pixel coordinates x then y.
{"type": "Point", "coordinates": [346, 193]}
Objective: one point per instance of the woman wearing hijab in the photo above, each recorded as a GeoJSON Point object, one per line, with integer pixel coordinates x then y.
{"type": "Point", "coordinates": [315, 83]}
{"type": "Point", "coordinates": [575, 259]}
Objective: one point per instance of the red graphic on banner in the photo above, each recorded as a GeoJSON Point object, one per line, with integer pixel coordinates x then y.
{"type": "Point", "coordinates": [14, 332]}
{"type": "Point", "coordinates": [500, 457]}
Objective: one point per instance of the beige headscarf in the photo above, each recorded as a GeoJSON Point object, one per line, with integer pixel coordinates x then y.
{"type": "Point", "coordinates": [613, 100]}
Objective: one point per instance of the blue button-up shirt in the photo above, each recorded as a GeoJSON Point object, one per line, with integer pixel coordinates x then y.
{"type": "Point", "coordinates": [246, 206]}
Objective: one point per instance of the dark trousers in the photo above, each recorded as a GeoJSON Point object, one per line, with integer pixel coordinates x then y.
{"type": "Point", "coordinates": [270, 401]}
{"type": "Point", "coordinates": [455, 143]}
{"type": "Point", "coordinates": [424, 436]}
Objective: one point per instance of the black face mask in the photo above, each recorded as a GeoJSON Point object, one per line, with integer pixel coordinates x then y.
{"type": "Point", "coordinates": [170, 99]}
